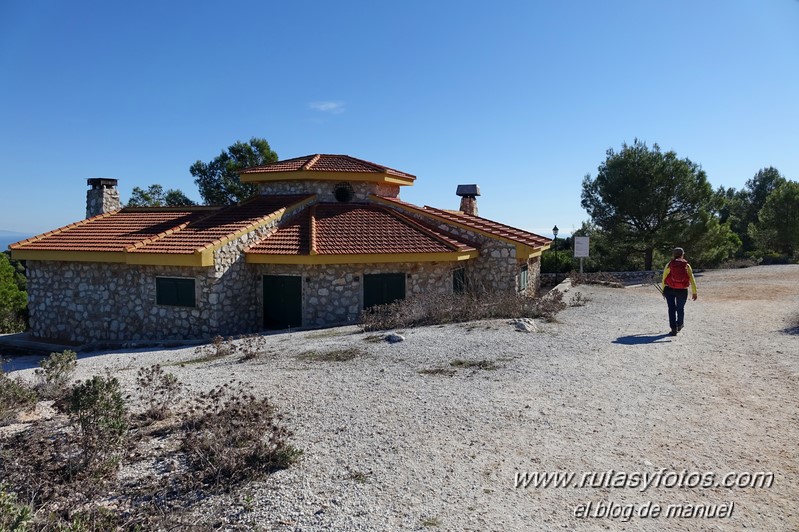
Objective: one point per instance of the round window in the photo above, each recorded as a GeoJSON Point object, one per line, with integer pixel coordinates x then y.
{"type": "Point", "coordinates": [343, 192]}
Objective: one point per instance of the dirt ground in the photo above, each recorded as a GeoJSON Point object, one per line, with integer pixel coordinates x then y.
{"type": "Point", "coordinates": [434, 433]}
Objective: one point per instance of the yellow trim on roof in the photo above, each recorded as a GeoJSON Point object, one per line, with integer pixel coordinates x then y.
{"type": "Point", "coordinates": [304, 175]}
{"type": "Point", "coordinates": [197, 258]}
{"type": "Point", "coordinates": [527, 252]}
{"type": "Point", "coordinates": [69, 256]}
{"type": "Point", "coordinates": [361, 258]}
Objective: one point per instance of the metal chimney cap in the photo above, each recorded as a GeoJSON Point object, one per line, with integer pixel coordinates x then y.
{"type": "Point", "coordinates": [468, 190]}
{"type": "Point", "coordinates": [96, 182]}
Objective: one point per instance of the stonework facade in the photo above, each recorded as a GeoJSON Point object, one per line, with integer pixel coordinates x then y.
{"type": "Point", "coordinates": [333, 294]}
{"type": "Point", "coordinates": [325, 190]}
{"type": "Point", "coordinates": [102, 197]}
{"type": "Point", "coordinates": [97, 297]}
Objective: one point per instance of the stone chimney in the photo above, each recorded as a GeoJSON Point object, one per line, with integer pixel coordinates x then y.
{"type": "Point", "coordinates": [102, 197]}
{"type": "Point", "coordinates": [468, 194]}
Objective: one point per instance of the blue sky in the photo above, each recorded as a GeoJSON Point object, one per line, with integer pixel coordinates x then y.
{"type": "Point", "coordinates": [522, 98]}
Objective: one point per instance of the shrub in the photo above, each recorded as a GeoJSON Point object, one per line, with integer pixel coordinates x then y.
{"type": "Point", "coordinates": [15, 397]}
{"type": "Point", "coordinates": [158, 391]}
{"type": "Point", "coordinates": [231, 436]}
{"type": "Point", "coordinates": [13, 515]}
{"type": "Point", "coordinates": [251, 346]}
{"type": "Point", "coordinates": [97, 410]}
{"type": "Point", "coordinates": [433, 309]}
{"type": "Point", "coordinates": [218, 348]}
{"type": "Point", "coordinates": [54, 373]}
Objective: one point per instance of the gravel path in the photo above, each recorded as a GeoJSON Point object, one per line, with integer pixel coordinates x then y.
{"type": "Point", "coordinates": [387, 447]}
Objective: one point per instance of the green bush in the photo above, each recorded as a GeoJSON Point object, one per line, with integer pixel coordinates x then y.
{"type": "Point", "coordinates": [54, 373]}
{"type": "Point", "coordinates": [97, 410]}
{"type": "Point", "coordinates": [14, 516]}
{"type": "Point", "coordinates": [13, 300]}
{"type": "Point", "coordinates": [15, 397]}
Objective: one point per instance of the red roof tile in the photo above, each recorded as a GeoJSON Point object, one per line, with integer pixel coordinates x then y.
{"type": "Point", "coordinates": [326, 163]}
{"type": "Point", "coordinates": [218, 226]}
{"type": "Point", "coordinates": [114, 231]}
{"type": "Point", "coordinates": [159, 230]}
{"type": "Point", "coordinates": [355, 229]}
{"type": "Point", "coordinates": [479, 224]}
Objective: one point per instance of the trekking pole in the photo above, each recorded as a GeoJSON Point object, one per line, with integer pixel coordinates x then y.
{"type": "Point", "coordinates": [657, 285]}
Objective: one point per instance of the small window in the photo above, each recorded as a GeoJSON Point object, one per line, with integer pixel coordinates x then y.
{"type": "Point", "coordinates": [523, 278]}
{"type": "Point", "coordinates": [343, 192]}
{"type": "Point", "coordinates": [459, 280]}
{"type": "Point", "coordinates": [173, 291]}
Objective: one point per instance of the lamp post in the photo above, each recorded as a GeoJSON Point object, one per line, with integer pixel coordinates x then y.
{"type": "Point", "coordinates": [555, 233]}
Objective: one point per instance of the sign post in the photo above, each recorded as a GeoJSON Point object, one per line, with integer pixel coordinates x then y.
{"type": "Point", "coordinates": [581, 249]}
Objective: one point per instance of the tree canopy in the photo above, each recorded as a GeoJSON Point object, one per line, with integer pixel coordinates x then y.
{"type": "Point", "coordinates": [155, 196]}
{"type": "Point", "coordinates": [777, 226]}
{"type": "Point", "coordinates": [218, 179]}
{"type": "Point", "coordinates": [644, 199]}
{"type": "Point", "coordinates": [741, 208]}
{"type": "Point", "coordinates": [13, 299]}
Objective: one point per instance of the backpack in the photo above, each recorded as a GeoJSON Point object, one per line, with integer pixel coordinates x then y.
{"type": "Point", "coordinates": [678, 274]}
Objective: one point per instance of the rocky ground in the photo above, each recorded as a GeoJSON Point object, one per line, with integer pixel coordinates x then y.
{"type": "Point", "coordinates": [434, 431]}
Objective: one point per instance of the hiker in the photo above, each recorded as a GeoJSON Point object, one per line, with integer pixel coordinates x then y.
{"type": "Point", "coordinates": [677, 276]}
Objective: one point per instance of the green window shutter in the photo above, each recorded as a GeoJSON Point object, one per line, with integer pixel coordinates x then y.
{"type": "Point", "coordinates": [174, 292]}
{"type": "Point", "coordinates": [523, 278]}
{"type": "Point", "coordinates": [282, 301]}
{"type": "Point", "coordinates": [459, 280]}
{"type": "Point", "coordinates": [382, 288]}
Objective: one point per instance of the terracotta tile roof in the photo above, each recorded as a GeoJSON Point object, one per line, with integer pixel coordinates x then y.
{"type": "Point", "coordinates": [218, 226]}
{"type": "Point", "coordinates": [477, 223]}
{"type": "Point", "coordinates": [327, 163]}
{"type": "Point", "coordinates": [159, 230]}
{"type": "Point", "coordinates": [355, 229]}
{"type": "Point", "coordinates": [116, 231]}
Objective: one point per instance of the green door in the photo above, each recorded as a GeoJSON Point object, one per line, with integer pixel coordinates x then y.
{"type": "Point", "coordinates": [282, 301]}
{"type": "Point", "coordinates": [382, 288]}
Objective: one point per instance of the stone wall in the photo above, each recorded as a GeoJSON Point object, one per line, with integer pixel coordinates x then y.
{"type": "Point", "coordinates": [497, 267]}
{"type": "Point", "coordinates": [333, 294]}
{"type": "Point", "coordinates": [85, 302]}
{"type": "Point", "coordinates": [110, 302]}
{"type": "Point", "coordinates": [324, 189]}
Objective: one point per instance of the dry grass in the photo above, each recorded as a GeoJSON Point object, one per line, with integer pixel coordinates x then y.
{"type": "Point", "coordinates": [434, 309]}
{"type": "Point", "coordinates": [336, 355]}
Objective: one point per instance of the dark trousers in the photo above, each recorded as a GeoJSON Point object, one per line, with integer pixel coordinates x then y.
{"type": "Point", "coordinates": [675, 299]}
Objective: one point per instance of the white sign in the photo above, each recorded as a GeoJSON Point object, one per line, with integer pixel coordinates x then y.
{"type": "Point", "coordinates": [581, 246]}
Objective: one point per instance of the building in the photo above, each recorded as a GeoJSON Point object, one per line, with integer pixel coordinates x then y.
{"type": "Point", "coordinates": [326, 237]}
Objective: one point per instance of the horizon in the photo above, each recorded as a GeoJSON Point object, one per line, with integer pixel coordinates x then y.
{"type": "Point", "coordinates": [523, 99]}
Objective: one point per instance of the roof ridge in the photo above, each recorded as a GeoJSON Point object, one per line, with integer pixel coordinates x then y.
{"type": "Point", "coordinates": [464, 215]}
{"type": "Point", "coordinates": [310, 162]}
{"type": "Point", "coordinates": [479, 224]}
{"type": "Point", "coordinates": [429, 232]}
{"type": "Point", "coordinates": [254, 225]}
{"type": "Point", "coordinates": [312, 230]}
